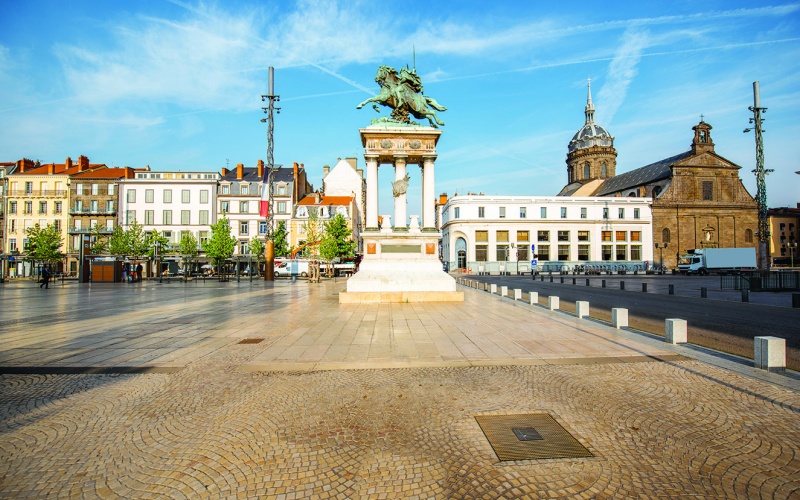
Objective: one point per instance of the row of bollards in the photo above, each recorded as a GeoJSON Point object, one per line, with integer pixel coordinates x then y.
{"type": "Point", "coordinates": [769, 353]}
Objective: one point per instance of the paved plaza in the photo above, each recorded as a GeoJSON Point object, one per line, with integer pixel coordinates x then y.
{"type": "Point", "coordinates": [146, 390]}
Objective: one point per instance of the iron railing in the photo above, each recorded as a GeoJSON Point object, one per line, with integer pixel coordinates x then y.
{"type": "Point", "coordinates": [762, 281]}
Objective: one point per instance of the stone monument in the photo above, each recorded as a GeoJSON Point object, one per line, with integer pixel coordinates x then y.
{"type": "Point", "coordinates": [401, 262]}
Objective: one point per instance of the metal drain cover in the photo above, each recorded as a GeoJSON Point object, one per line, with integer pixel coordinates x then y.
{"type": "Point", "coordinates": [529, 436]}
{"type": "Point", "coordinates": [251, 341]}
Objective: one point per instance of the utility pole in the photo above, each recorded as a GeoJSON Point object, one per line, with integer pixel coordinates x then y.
{"type": "Point", "coordinates": [761, 184]}
{"type": "Point", "coordinates": [271, 98]}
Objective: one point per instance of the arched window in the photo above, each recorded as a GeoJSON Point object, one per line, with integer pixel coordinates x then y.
{"type": "Point", "coordinates": [665, 235]}
{"type": "Point", "coordinates": [586, 171]}
{"type": "Point", "coordinates": [604, 171]}
{"type": "Point", "coordinates": [461, 253]}
{"type": "Point", "coordinates": [748, 235]}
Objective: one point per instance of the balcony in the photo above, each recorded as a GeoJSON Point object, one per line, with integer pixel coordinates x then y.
{"type": "Point", "coordinates": [52, 193]}
{"type": "Point", "coordinates": [89, 211]}
{"type": "Point", "coordinates": [89, 230]}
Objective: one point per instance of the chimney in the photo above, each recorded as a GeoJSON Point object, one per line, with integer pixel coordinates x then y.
{"type": "Point", "coordinates": [224, 171]}
{"type": "Point", "coordinates": [443, 199]}
{"type": "Point", "coordinates": [239, 171]}
{"type": "Point", "coordinates": [83, 163]}
{"type": "Point", "coordinates": [68, 163]}
{"type": "Point", "coordinates": [129, 173]}
{"type": "Point", "coordinates": [360, 172]}
{"type": "Point", "coordinates": [325, 170]}
{"type": "Point", "coordinates": [296, 184]}
{"type": "Point", "coordinates": [51, 169]}
{"type": "Point", "coordinates": [260, 169]}
{"type": "Point", "coordinates": [24, 164]}
{"type": "Point", "coordinates": [317, 198]}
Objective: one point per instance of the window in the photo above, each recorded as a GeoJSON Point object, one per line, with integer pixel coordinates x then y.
{"type": "Point", "coordinates": [456, 212]}
{"type": "Point", "coordinates": [622, 252]}
{"type": "Point", "coordinates": [621, 213]}
{"type": "Point", "coordinates": [28, 207]}
{"type": "Point", "coordinates": [482, 236]}
{"type": "Point", "coordinates": [185, 196]}
{"type": "Point", "coordinates": [583, 212]}
{"type": "Point", "coordinates": [502, 236]}
{"type": "Point", "coordinates": [202, 236]}
{"type": "Point", "coordinates": [481, 252]}
{"type": "Point", "coordinates": [79, 205]}
{"type": "Point", "coordinates": [167, 196]}
{"type": "Point", "coordinates": [203, 217]}
{"type": "Point", "coordinates": [12, 227]}
{"type": "Point", "coordinates": [95, 189]}
{"type": "Point", "coordinates": [604, 170]}
{"type": "Point", "coordinates": [583, 252]}
{"type": "Point", "coordinates": [185, 218]}
{"type": "Point", "coordinates": [748, 235]}
{"type": "Point", "coordinates": [12, 244]}
{"type": "Point", "coordinates": [79, 189]}
{"type": "Point", "coordinates": [522, 253]}
{"type": "Point", "coordinates": [563, 236]}
{"type": "Point", "coordinates": [606, 235]}
{"type": "Point", "coordinates": [502, 212]}
{"type": "Point", "coordinates": [225, 207]}
{"type": "Point", "coordinates": [708, 190]}
{"type": "Point", "coordinates": [167, 217]}
{"type": "Point", "coordinates": [621, 236]}
{"type": "Point", "coordinates": [42, 207]}
{"type": "Point", "coordinates": [29, 188]}
{"type": "Point", "coordinates": [110, 225]}
{"type": "Point", "coordinates": [93, 223]}
{"type": "Point", "coordinates": [12, 207]}
{"type": "Point", "coordinates": [245, 189]}
{"type": "Point", "coordinates": [130, 217]}
{"type": "Point", "coordinates": [635, 213]}
{"type": "Point", "coordinates": [111, 189]}
{"type": "Point", "coordinates": [226, 189]}
{"type": "Point", "coordinates": [501, 252]}
{"type": "Point", "coordinates": [57, 225]}
{"type": "Point", "coordinates": [109, 206]}
{"type": "Point", "coordinates": [243, 227]}
{"type": "Point", "coordinates": [58, 207]}
{"type": "Point", "coordinates": [636, 236]}
{"type": "Point", "coordinates": [543, 212]}
{"type": "Point", "coordinates": [586, 171]}
{"type": "Point", "coordinates": [481, 212]}
{"type": "Point", "coordinates": [563, 212]}
{"type": "Point", "coordinates": [243, 247]}
{"type": "Point", "coordinates": [636, 252]}
{"type": "Point", "coordinates": [523, 236]}
{"type": "Point", "coordinates": [563, 252]}
{"type": "Point", "coordinates": [148, 217]}
{"type": "Point", "coordinates": [131, 196]}
{"type": "Point", "coordinates": [244, 207]}
{"type": "Point", "coordinates": [262, 227]}
{"type": "Point", "coordinates": [665, 235]}
{"type": "Point", "coordinates": [583, 235]}
{"type": "Point", "coordinates": [543, 252]}
{"type": "Point", "coordinates": [606, 252]}
{"type": "Point", "coordinates": [543, 235]}
{"type": "Point", "coordinates": [282, 190]}
{"type": "Point", "coordinates": [204, 196]}
{"type": "Point", "coordinates": [605, 213]}
{"type": "Point", "coordinates": [523, 212]}
{"type": "Point", "coordinates": [282, 207]}
{"type": "Point", "coordinates": [94, 206]}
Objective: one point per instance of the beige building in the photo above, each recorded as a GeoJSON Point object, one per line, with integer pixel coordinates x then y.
{"type": "Point", "coordinates": [784, 227]}
{"type": "Point", "coordinates": [698, 199]}
{"type": "Point", "coordinates": [326, 207]}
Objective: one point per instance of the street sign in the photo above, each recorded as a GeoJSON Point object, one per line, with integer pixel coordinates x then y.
{"type": "Point", "coordinates": [533, 248]}
{"type": "Point", "coordinates": [533, 262]}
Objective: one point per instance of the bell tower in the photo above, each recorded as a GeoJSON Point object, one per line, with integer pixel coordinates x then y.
{"type": "Point", "coordinates": [591, 154]}
{"type": "Point", "coordinates": [702, 138]}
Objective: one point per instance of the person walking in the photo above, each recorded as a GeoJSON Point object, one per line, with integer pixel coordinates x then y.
{"type": "Point", "coordinates": [139, 269]}
{"type": "Point", "coordinates": [45, 277]}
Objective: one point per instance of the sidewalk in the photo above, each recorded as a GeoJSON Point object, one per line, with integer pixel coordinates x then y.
{"type": "Point", "coordinates": [365, 401]}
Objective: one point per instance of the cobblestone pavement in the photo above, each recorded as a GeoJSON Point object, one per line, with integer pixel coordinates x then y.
{"type": "Point", "coordinates": [206, 428]}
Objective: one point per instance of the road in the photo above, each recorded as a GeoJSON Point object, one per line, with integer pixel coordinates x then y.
{"type": "Point", "coordinates": [718, 322]}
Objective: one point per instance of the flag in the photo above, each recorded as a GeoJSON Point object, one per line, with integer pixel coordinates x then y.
{"type": "Point", "coordinates": [264, 205]}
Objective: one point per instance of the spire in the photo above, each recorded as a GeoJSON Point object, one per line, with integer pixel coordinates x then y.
{"type": "Point", "coordinates": [589, 106]}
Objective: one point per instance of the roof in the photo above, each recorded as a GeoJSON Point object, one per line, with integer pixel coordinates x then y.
{"type": "Point", "coordinates": [60, 169]}
{"type": "Point", "coordinates": [326, 200]}
{"type": "Point", "coordinates": [640, 176]}
{"type": "Point", "coordinates": [106, 173]}
{"type": "Point", "coordinates": [250, 174]}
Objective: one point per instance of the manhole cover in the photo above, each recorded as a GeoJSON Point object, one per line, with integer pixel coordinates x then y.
{"type": "Point", "coordinates": [529, 436]}
{"type": "Point", "coordinates": [250, 341]}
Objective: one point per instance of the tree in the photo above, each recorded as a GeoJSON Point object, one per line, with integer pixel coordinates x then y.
{"type": "Point", "coordinates": [44, 243]}
{"type": "Point", "coordinates": [157, 237]}
{"type": "Point", "coordinates": [100, 242]}
{"type": "Point", "coordinates": [137, 241]}
{"type": "Point", "coordinates": [313, 233]}
{"type": "Point", "coordinates": [187, 247]}
{"type": "Point", "coordinates": [256, 247]}
{"type": "Point", "coordinates": [118, 242]}
{"type": "Point", "coordinates": [279, 239]}
{"type": "Point", "coordinates": [337, 242]}
{"type": "Point", "coordinates": [221, 244]}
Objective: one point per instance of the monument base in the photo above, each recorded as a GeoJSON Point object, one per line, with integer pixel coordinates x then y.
{"type": "Point", "coordinates": [399, 297]}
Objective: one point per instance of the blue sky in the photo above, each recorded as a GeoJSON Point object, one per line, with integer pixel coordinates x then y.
{"type": "Point", "coordinates": [177, 85]}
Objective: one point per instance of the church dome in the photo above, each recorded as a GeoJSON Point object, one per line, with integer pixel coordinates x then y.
{"type": "Point", "coordinates": [591, 134]}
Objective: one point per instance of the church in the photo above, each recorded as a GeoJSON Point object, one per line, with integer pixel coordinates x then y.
{"type": "Point", "coordinates": [698, 199]}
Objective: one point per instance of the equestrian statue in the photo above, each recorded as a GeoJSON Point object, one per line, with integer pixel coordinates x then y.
{"type": "Point", "coordinates": [403, 93]}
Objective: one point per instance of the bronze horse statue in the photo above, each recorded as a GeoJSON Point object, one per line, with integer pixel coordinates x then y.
{"type": "Point", "coordinates": [403, 93]}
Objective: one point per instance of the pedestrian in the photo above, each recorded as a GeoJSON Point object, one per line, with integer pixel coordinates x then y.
{"type": "Point", "coordinates": [125, 268]}
{"type": "Point", "coordinates": [139, 272]}
{"type": "Point", "coordinates": [45, 277]}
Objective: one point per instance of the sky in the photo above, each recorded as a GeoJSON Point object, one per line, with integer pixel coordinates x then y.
{"type": "Point", "coordinates": [177, 85]}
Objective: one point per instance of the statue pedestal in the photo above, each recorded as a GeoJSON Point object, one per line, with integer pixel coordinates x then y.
{"type": "Point", "coordinates": [400, 267]}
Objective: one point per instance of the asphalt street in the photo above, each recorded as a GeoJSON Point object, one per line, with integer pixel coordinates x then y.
{"type": "Point", "coordinates": [720, 321]}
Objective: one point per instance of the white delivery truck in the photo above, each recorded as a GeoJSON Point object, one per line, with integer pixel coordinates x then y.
{"type": "Point", "coordinates": [717, 260]}
{"type": "Point", "coordinates": [292, 267]}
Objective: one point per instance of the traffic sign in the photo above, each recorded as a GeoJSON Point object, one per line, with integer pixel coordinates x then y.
{"type": "Point", "coordinates": [533, 262]}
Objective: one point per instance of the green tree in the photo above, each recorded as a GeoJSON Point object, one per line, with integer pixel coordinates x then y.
{"type": "Point", "coordinates": [44, 243]}
{"type": "Point", "coordinates": [187, 247]}
{"type": "Point", "coordinates": [221, 244]}
{"type": "Point", "coordinates": [280, 240]}
{"type": "Point", "coordinates": [137, 241]}
{"type": "Point", "coordinates": [118, 243]}
{"type": "Point", "coordinates": [163, 242]}
{"type": "Point", "coordinates": [256, 248]}
{"type": "Point", "coordinates": [100, 242]}
{"type": "Point", "coordinates": [313, 233]}
{"type": "Point", "coordinates": [337, 242]}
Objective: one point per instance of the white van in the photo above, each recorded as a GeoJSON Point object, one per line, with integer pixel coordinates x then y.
{"type": "Point", "coordinates": [292, 267]}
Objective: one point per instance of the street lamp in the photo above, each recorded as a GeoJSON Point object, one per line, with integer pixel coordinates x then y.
{"type": "Point", "coordinates": [661, 255]}
{"type": "Point", "coordinates": [157, 246]}
{"type": "Point", "coordinates": [792, 248]}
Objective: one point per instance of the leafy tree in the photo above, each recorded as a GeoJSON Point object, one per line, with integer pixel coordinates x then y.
{"type": "Point", "coordinates": [337, 242]}
{"type": "Point", "coordinates": [256, 248]}
{"type": "Point", "coordinates": [313, 233]}
{"type": "Point", "coordinates": [280, 240]}
{"type": "Point", "coordinates": [118, 242]}
{"type": "Point", "coordinates": [137, 241]}
{"type": "Point", "coordinates": [157, 237]}
{"type": "Point", "coordinates": [187, 247]}
{"type": "Point", "coordinates": [100, 245]}
{"type": "Point", "coordinates": [44, 243]}
{"type": "Point", "coordinates": [221, 244]}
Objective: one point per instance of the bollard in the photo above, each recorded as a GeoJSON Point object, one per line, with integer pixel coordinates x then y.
{"type": "Point", "coordinates": [581, 308]}
{"type": "Point", "coordinates": [562, 279]}
{"type": "Point", "coordinates": [603, 283]}
{"type": "Point", "coordinates": [769, 353]}
{"type": "Point", "coordinates": [675, 331]}
{"type": "Point", "coordinates": [644, 287]}
{"type": "Point", "coordinates": [493, 289]}
{"type": "Point", "coordinates": [551, 278]}
{"type": "Point", "coordinates": [552, 303]}
{"type": "Point", "coordinates": [745, 295]}
{"type": "Point", "coordinates": [574, 280]}
{"type": "Point", "coordinates": [672, 289]}
{"type": "Point", "coordinates": [517, 294]}
{"type": "Point", "coordinates": [619, 317]}
{"type": "Point", "coordinates": [533, 298]}
{"type": "Point", "coordinates": [503, 291]}
{"type": "Point", "coordinates": [622, 285]}
{"type": "Point", "coordinates": [541, 276]}
{"type": "Point", "coordinates": [587, 281]}
{"type": "Point", "coordinates": [703, 292]}
{"type": "Point", "coordinates": [796, 300]}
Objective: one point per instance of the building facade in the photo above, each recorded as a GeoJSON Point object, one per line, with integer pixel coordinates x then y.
{"type": "Point", "coordinates": [325, 207]}
{"type": "Point", "coordinates": [512, 233]}
{"type": "Point", "coordinates": [784, 226]}
{"type": "Point", "coordinates": [347, 180]}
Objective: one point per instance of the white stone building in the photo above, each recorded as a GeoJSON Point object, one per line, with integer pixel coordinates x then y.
{"type": "Point", "coordinates": [510, 233]}
{"type": "Point", "coordinates": [346, 179]}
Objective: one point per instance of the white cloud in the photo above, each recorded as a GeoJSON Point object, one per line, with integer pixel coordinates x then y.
{"type": "Point", "coordinates": [621, 72]}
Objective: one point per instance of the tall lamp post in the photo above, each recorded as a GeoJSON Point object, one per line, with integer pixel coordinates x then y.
{"type": "Point", "coordinates": [157, 246]}
{"type": "Point", "coordinates": [271, 98]}
{"type": "Point", "coordinates": [661, 256]}
{"type": "Point", "coordinates": [761, 172]}
{"type": "Point", "coordinates": [792, 249]}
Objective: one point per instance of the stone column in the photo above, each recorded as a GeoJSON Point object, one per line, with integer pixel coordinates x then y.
{"type": "Point", "coordinates": [372, 192]}
{"type": "Point", "coordinates": [400, 201]}
{"type": "Point", "coordinates": [428, 194]}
